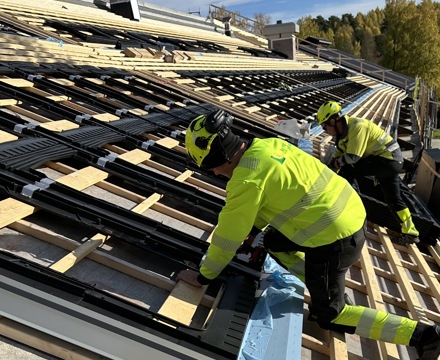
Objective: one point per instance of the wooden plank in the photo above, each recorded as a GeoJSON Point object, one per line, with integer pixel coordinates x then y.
{"type": "Point", "coordinates": [172, 172]}
{"type": "Point", "coordinates": [80, 108]}
{"type": "Point", "coordinates": [146, 204]}
{"type": "Point", "coordinates": [138, 112]}
{"type": "Point", "coordinates": [60, 125]}
{"type": "Point", "coordinates": [238, 103]}
{"type": "Point", "coordinates": [96, 81]}
{"type": "Point", "coordinates": [8, 102]}
{"type": "Point", "coordinates": [416, 309]}
{"type": "Point", "coordinates": [435, 252]}
{"type": "Point", "coordinates": [183, 217]}
{"type": "Point", "coordinates": [12, 210]}
{"type": "Point", "coordinates": [5, 137]}
{"type": "Point", "coordinates": [182, 303]}
{"type": "Point", "coordinates": [162, 107]}
{"type": "Point", "coordinates": [83, 178]}
{"type": "Point", "coordinates": [225, 97]}
{"type": "Point", "coordinates": [79, 253]}
{"type": "Point", "coordinates": [58, 98]}
{"type": "Point", "coordinates": [184, 81]}
{"type": "Point", "coordinates": [319, 346]}
{"type": "Point", "coordinates": [106, 117]}
{"type": "Point", "coordinates": [185, 175]}
{"type": "Point", "coordinates": [388, 350]}
{"type": "Point", "coordinates": [103, 184]}
{"type": "Point", "coordinates": [338, 347]}
{"type": "Point", "coordinates": [29, 114]}
{"type": "Point", "coordinates": [90, 245]}
{"type": "Point", "coordinates": [203, 88]}
{"type": "Point", "coordinates": [25, 227]}
{"type": "Point", "coordinates": [135, 156]}
{"type": "Point", "coordinates": [167, 74]}
{"type": "Point", "coordinates": [424, 269]}
{"type": "Point", "coordinates": [17, 82]}
{"type": "Point", "coordinates": [168, 142]}
{"type": "Point", "coordinates": [252, 109]}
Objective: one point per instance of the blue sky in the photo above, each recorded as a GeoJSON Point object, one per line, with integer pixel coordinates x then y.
{"type": "Point", "coordinates": [285, 10]}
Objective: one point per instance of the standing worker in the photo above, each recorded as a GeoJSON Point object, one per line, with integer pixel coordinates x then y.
{"type": "Point", "coordinates": [364, 149]}
{"type": "Point", "coordinates": [317, 226]}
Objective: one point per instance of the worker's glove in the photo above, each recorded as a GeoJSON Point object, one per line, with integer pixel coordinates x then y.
{"type": "Point", "coordinates": [335, 164]}
{"type": "Point", "coordinates": [246, 247]}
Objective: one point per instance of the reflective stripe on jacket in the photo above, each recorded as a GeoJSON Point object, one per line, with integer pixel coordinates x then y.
{"type": "Point", "coordinates": [276, 183]}
{"type": "Point", "coordinates": [365, 138]}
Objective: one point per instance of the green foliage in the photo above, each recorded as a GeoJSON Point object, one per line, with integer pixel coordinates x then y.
{"type": "Point", "coordinates": [404, 36]}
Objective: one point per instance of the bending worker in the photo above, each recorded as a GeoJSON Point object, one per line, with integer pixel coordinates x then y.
{"type": "Point", "coordinates": [317, 221]}
{"type": "Point", "coordinates": [364, 149]}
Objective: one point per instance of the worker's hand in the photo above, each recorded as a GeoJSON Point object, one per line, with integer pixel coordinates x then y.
{"type": "Point", "coordinates": [246, 247]}
{"type": "Point", "coordinates": [335, 166]}
{"type": "Point", "coordinates": [189, 276]}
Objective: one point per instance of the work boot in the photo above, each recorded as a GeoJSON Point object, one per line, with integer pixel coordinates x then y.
{"type": "Point", "coordinates": [347, 300]}
{"type": "Point", "coordinates": [408, 229]}
{"type": "Point", "coordinates": [428, 346]}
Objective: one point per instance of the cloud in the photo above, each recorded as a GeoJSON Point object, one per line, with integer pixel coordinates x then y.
{"type": "Point", "coordinates": [285, 10]}
{"type": "Point", "coordinates": [325, 9]}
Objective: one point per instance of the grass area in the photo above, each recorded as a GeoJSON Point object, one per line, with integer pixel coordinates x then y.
{"type": "Point", "coordinates": [436, 133]}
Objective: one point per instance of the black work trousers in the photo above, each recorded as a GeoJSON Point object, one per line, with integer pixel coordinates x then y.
{"type": "Point", "coordinates": [385, 171]}
{"type": "Point", "coordinates": [325, 269]}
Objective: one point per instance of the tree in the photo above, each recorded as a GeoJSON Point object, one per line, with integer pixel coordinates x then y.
{"type": "Point", "coordinates": [241, 22]}
{"type": "Point", "coordinates": [396, 34]}
{"type": "Point", "coordinates": [368, 46]}
{"type": "Point", "coordinates": [220, 12]}
{"type": "Point", "coordinates": [425, 44]}
{"type": "Point", "coordinates": [261, 21]}
{"type": "Point", "coordinates": [322, 23]}
{"type": "Point", "coordinates": [307, 27]}
{"type": "Point", "coordinates": [334, 22]}
{"type": "Point", "coordinates": [344, 39]}
{"type": "Point", "coordinates": [348, 19]}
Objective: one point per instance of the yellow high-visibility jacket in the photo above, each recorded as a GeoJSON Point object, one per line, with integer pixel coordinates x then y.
{"type": "Point", "coordinates": [365, 138]}
{"type": "Point", "coordinates": [278, 184]}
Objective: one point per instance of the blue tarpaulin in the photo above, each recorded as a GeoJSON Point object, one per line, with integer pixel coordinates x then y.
{"type": "Point", "coordinates": [274, 330]}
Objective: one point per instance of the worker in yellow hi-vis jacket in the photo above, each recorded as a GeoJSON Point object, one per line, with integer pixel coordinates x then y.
{"type": "Point", "coordinates": [365, 149]}
{"type": "Point", "coordinates": [317, 223]}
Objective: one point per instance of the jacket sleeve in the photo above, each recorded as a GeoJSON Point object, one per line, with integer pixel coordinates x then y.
{"type": "Point", "coordinates": [356, 145]}
{"type": "Point", "coordinates": [234, 224]}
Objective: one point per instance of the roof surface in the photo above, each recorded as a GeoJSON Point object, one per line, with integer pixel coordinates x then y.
{"type": "Point", "coordinates": [99, 104]}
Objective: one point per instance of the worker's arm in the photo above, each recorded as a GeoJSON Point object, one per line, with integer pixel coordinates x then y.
{"type": "Point", "coordinates": [196, 279]}
{"type": "Point", "coordinates": [356, 146]}
{"type": "Point", "coordinates": [235, 223]}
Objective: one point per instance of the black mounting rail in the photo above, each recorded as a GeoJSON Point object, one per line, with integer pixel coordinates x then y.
{"type": "Point", "coordinates": [183, 115]}
{"type": "Point", "coordinates": [221, 339]}
{"type": "Point", "coordinates": [120, 126]}
{"type": "Point", "coordinates": [81, 143]}
{"type": "Point", "coordinates": [108, 219]}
